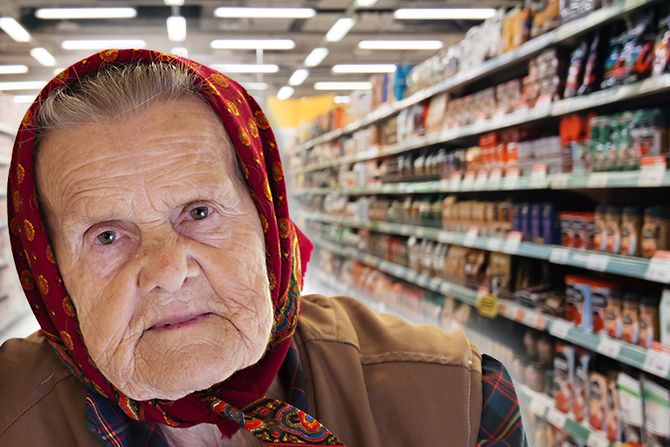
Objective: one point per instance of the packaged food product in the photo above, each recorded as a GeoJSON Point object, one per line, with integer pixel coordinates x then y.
{"type": "Point", "coordinates": [662, 45]}
{"type": "Point", "coordinates": [580, 402]}
{"type": "Point", "coordinates": [656, 230]}
{"type": "Point", "coordinates": [629, 390]}
{"type": "Point", "coordinates": [649, 321]}
{"type": "Point", "coordinates": [638, 49]}
{"type": "Point", "coordinates": [551, 230]}
{"type": "Point", "coordinates": [600, 229]}
{"type": "Point", "coordinates": [631, 318]}
{"type": "Point", "coordinates": [577, 299]}
{"type": "Point", "coordinates": [613, 225]}
{"type": "Point", "coordinates": [631, 227]}
{"type": "Point", "coordinates": [613, 416]}
{"type": "Point", "coordinates": [601, 292]}
{"type": "Point", "coordinates": [657, 412]}
{"type": "Point", "coordinates": [576, 70]}
{"type": "Point", "coordinates": [593, 71]}
{"type": "Point", "coordinates": [598, 399]}
{"type": "Point", "coordinates": [614, 315]}
{"type": "Point", "coordinates": [664, 317]}
{"type": "Point", "coordinates": [564, 372]}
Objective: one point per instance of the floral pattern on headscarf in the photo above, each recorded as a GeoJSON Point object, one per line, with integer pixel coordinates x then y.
{"type": "Point", "coordinates": [239, 401]}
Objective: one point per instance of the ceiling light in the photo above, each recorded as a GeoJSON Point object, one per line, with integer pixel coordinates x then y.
{"type": "Point", "coordinates": [363, 68]}
{"type": "Point", "coordinates": [42, 56]}
{"type": "Point", "coordinates": [57, 71]}
{"type": "Point", "coordinates": [253, 44]}
{"type": "Point", "coordinates": [14, 29]}
{"type": "Point", "coordinates": [179, 51]}
{"type": "Point", "coordinates": [285, 93]}
{"type": "Point", "coordinates": [102, 44]}
{"type": "Point", "coordinates": [342, 100]}
{"type": "Point", "coordinates": [176, 28]}
{"type": "Point", "coordinates": [13, 69]}
{"type": "Point", "coordinates": [400, 44]}
{"type": "Point", "coordinates": [22, 85]}
{"type": "Point", "coordinates": [265, 13]}
{"type": "Point", "coordinates": [365, 3]}
{"type": "Point", "coordinates": [444, 14]}
{"type": "Point", "coordinates": [339, 29]}
{"type": "Point", "coordinates": [298, 77]}
{"type": "Point", "coordinates": [316, 56]}
{"type": "Point", "coordinates": [85, 13]}
{"type": "Point", "coordinates": [246, 68]}
{"type": "Point", "coordinates": [343, 85]}
{"type": "Point", "coordinates": [24, 99]}
{"type": "Point", "coordinates": [174, 2]}
{"type": "Point", "coordinates": [255, 85]}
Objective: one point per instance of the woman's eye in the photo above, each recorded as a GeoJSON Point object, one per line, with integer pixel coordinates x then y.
{"type": "Point", "coordinates": [199, 212]}
{"type": "Point", "coordinates": [106, 237]}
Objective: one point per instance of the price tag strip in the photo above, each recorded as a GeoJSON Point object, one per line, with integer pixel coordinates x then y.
{"type": "Point", "coordinates": [556, 418]}
{"type": "Point", "coordinates": [560, 329]}
{"type": "Point", "coordinates": [559, 256]}
{"type": "Point", "coordinates": [513, 242]}
{"type": "Point", "coordinates": [609, 347]}
{"type": "Point", "coordinates": [659, 268]}
{"type": "Point", "coordinates": [657, 363]}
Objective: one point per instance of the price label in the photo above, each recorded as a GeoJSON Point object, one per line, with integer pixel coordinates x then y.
{"type": "Point", "coordinates": [534, 319]}
{"type": "Point", "coordinates": [538, 176]}
{"type": "Point", "coordinates": [610, 348]}
{"type": "Point", "coordinates": [659, 268]}
{"type": "Point", "coordinates": [556, 418]}
{"type": "Point", "coordinates": [494, 244]}
{"type": "Point", "coordinates": [598, 180]}
{"type": "Point", "coordinates": [536, 407]}
{"type": "Point", "coordinates": [560, 181]}
{"type": "Point", "coordinates": [520, 314]}
{"type": "Point", "coordinates": [445, 288]}
{"type": "Point", "coordinates": [652, 171]}
{"type": "Point", "coordinates": [597, 440]}
{"type": "Point", "coordinates": [559, 256]}
{"type": "Point", "coordinates": [511, 179]}
{"type": "Point", "coordinates": [471, 237]}
{"type": "Point", "coordinates": [657, 363]}
{"type": "Point", "coordinates": [597, 262]}
{"type": "Point", "coordinates": [445, 237]}
{"type": "Point", "coordinates": [455, 182]}
{"type": "Point", "coordinates": [560, 329]}
{"type": "Point", "coordinates": [495, 179]}
{"type": "Point", "coordinates": [410, 188]}
{"type": "Point", "coordinates": [513, 242]}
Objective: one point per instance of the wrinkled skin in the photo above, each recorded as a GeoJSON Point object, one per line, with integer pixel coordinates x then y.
{"type": "Point", "coordinates": [150, 225]}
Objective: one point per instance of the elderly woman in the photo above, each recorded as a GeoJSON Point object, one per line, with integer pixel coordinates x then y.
{"type": "Point", "coordinates": [150, 229]}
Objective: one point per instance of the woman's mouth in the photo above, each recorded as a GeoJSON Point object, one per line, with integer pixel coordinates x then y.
{"type": "Point", "coordinates": [179, 321]}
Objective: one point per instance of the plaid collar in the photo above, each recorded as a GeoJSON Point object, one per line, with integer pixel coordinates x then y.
{"type": "Point", "coordinates": [500, 424]}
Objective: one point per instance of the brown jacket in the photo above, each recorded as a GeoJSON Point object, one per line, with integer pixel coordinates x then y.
{"type": "Point", "coordinates": [372, 380]}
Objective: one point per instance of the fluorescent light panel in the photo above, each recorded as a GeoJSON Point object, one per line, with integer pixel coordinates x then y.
{"type": "Point", "coordinates": [342, 85]}
{"type": "Point", "coordinates": [298, 77]}
{"type": "Point", "coordinates": [316, 56]}
{"type": "Point", "coordinates": [24, 99]}
{"type": "Point", "coordinates": [179, 51]}
{"type": "Point", "coordinates": [174, 2]}
{"type": "Point", "coordinates": [253, 44]}
{"type": "Point", "coordinates": [246, 68]}
{"type": "Point", "coordinates": [265, 13]}
{"type": "Point", "coordinates": [363, 68]}
{"type": "Point", "coordinates": [342, 100]}
{"type": "Point", "coordinates": [85, 13]}
{"type": "Point", "coordinates": [400, 45]}
{"type": "Point", "coordinates": [14, 29]}
{"type": "Point", "coordinates": [339, 29]}
{"type": "Point", "coordinates": [102, 44]}
{"type": "Point", "coordinates": [444, 14]}
{"type": "Point", "coordinates": [365, 3]}
{"type": "Point", "coordinates": [22, 85]}
{"type": "Point", "coordinates": [285, 92]}
{"type": "Point", "coordinates": [42, 56]}
{"type": "Point", "coordinates": [13, 69]}
{"type": "Point", "coordinates": [176, 28]}
{"type": "Point", "coordinates": [255, 85]}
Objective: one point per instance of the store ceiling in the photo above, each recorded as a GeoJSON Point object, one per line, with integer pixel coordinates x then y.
{"type": "Point", "coordinates": [202, 27]}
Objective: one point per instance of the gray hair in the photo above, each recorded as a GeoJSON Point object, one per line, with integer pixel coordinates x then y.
{"type": "Point", "coordinates": [113, 92]}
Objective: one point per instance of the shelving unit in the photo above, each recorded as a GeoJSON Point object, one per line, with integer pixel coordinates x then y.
{"type": "Point", "coordinates": [653, 362]}
{"type": "Point", "coordinates": [494, 66]}
{"type": "Point", "coordinates": [590, 260]}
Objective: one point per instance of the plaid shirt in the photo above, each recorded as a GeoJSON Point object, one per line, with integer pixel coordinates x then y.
{"type": "Point", "coordinates": [500, 425]}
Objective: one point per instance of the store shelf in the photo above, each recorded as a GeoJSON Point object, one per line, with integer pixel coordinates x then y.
{"type": "Point", "coordinates": [596, 180]}
{"type": "Point", "coordinates": [590, 260]}
{"type": "Point", "coordinates": [653, 362]}
{"type": "Point", "coordinates": [6, 129]}
{"type": "Point", "coordinates": [493, 66]}
{"type": "Point", "coordinates": [543, 406]}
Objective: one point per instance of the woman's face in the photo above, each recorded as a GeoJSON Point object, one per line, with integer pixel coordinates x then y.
{"type": "Point", "coordinates": [160, 247]}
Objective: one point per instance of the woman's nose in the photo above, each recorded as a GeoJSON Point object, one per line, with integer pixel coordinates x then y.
{"type": "Point", "coordinates": [166, 264]}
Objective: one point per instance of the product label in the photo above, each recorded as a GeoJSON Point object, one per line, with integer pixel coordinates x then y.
{"type": "Point", "coordinates": [513, 242]}
{"type": "Point", "coordinates": [659, 267]}
{"type": "Point", "coordinates": [609, 347]}
{"type": "Point", "coordinates": [538, 176]}
{"type": "Point", "coordinates": [471, 237]}
{"type": "Point", "coordinates": [598, 180]}
{"type": "Point", "coordinates": [481, 180]}
{"type": "Point", "coordinates": [556, 418]}
{"type": "Point", "coordinates": [657, 363]}
{"type": "Point", "coordinates": [652, 171]}
{"type": "Point", "coordinates": [560, 181]}
{"type": "Point", "coordinates": [597, 262]}
{"type": "Point", "coordinates": [657, 409]}
{"type": "Point", "coordinates": [560, 329]}
{"type": "Point", "coordinates": [511, 179]}
{"type": "Point", "coordinates": [495, 179]}
{"type": "Point", "coordinates": [559, 256]}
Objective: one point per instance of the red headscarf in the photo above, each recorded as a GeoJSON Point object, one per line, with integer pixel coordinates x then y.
{"type": "Point", "coordinates": [239, 401]}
